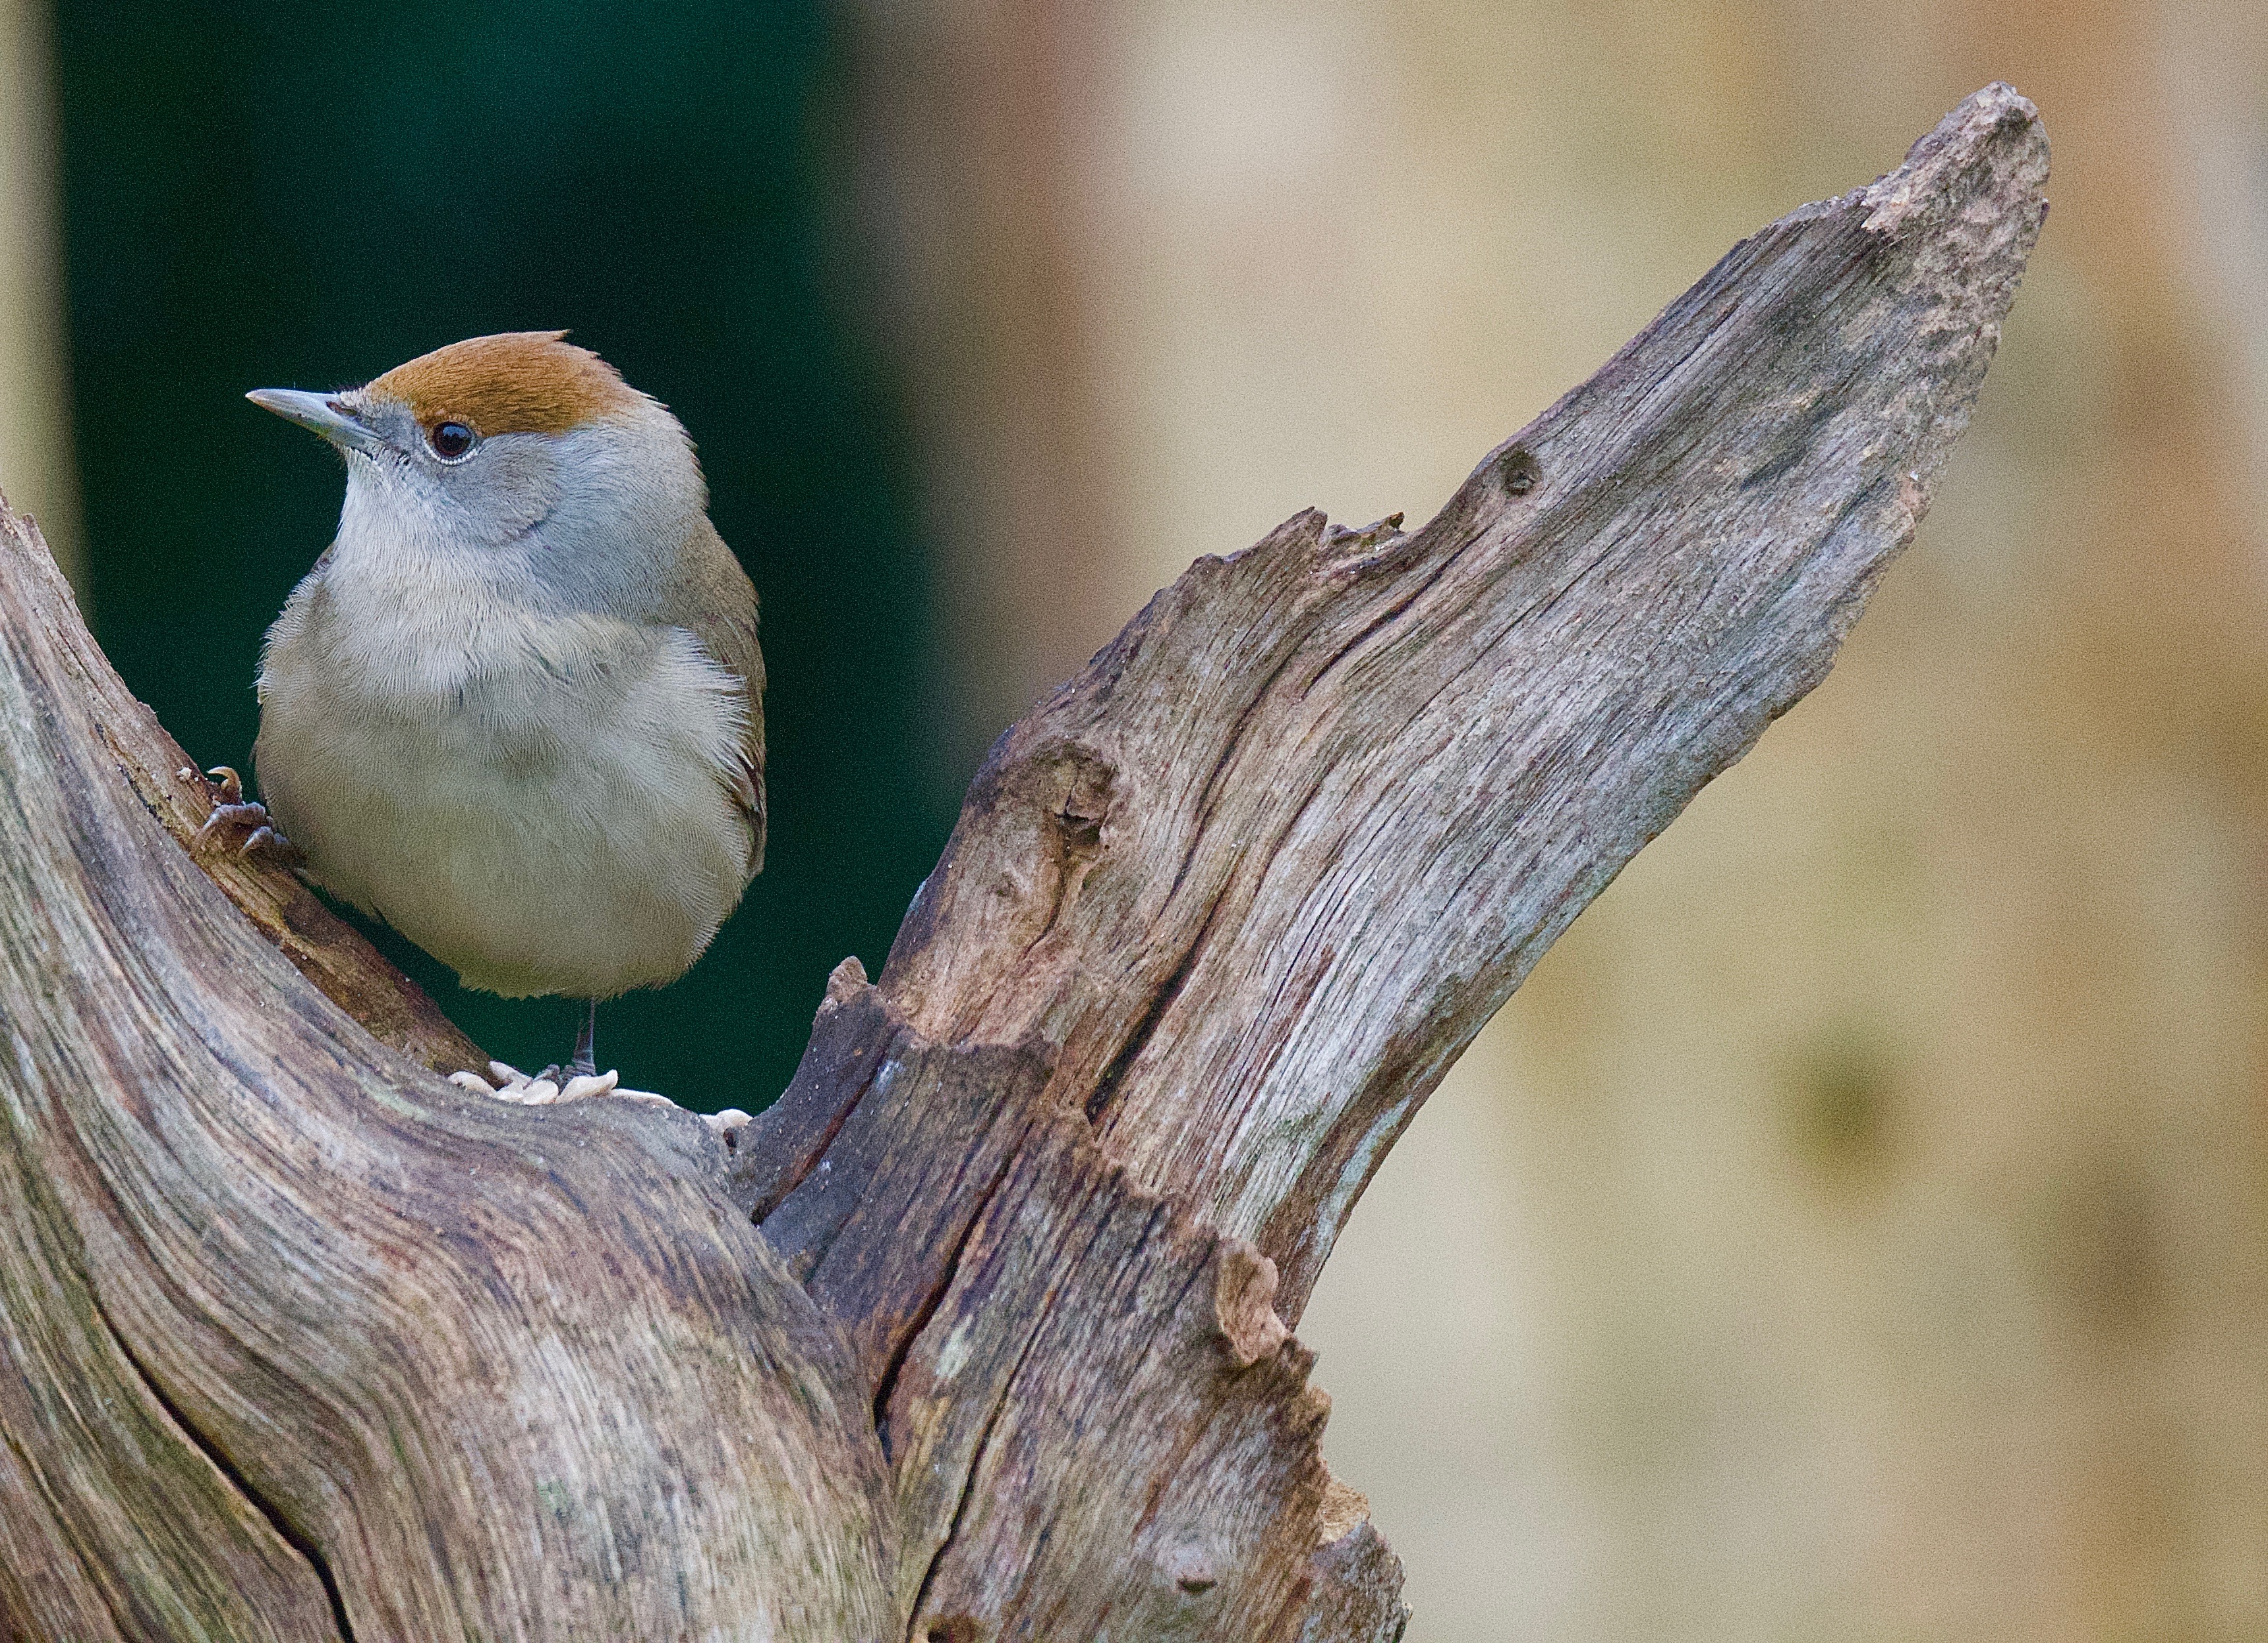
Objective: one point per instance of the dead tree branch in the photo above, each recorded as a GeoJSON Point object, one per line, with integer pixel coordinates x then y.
{"type": "Point", "coordinates": [980, 1331]}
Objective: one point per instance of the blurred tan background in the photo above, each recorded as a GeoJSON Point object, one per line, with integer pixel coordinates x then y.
{"type": "Point", "coordinates": [1858, 1227]}
{"type": "Point", "coordinates": [35, 444]}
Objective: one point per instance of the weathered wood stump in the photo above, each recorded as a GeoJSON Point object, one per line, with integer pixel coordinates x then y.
{"type": "Point", "coordinates": [980, 1331]}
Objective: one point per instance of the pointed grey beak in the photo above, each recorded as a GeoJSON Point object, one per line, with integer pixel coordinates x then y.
{"type": "Point", "coordinates": [326, 414]}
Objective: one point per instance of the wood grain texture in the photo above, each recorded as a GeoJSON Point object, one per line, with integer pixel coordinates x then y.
{"type": "Point", "coordinates": [1097, 1425]}
{"type": "Point", "coordinates": [1218, 916]}
{"type": "Point", "coordinates": [299, 1341]}
{"type": "Point", "coordinates": [304, 1342]}
{"type": "Point", "coordinates": [1260, 873]}
{"type": "Point", "coordinates": [347, 969]}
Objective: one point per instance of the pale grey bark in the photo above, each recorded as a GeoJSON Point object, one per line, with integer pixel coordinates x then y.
{"type": "Point", "coordinates": [299, 1339]}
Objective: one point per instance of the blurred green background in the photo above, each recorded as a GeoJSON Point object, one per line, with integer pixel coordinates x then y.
{"type": "Point", "coordinates": [306, 195]}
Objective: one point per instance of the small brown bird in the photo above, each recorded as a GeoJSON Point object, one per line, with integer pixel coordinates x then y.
{"type": "Point", "coordinates": [516, 710]}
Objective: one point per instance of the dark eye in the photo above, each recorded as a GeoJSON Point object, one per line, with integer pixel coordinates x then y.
{"type": "Point", "coordinates": [452, 440]}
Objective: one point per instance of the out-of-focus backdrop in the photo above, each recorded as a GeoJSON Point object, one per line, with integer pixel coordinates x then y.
{"type": "Point", "coordinates": [1858, 1227]}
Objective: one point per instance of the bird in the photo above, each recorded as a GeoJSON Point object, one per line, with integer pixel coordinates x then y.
{"type": "Point", "coordinates": [516, 708]}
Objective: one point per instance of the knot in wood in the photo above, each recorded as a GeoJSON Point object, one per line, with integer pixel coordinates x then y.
{"type": "Point", "coordinates": [1081, 784]}
{"type": "Point", "coordinates": [1517, 471]}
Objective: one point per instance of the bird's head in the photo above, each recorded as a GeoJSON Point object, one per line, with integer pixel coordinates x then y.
{"type": "Point", "coordinates": [519, 448]}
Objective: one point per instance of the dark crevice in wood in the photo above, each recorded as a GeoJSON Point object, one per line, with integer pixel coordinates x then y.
{"type": "Point", "coordinates": [1255, 702]}
{"type": "Point", "coordinates": [927, 1309]}
{"type": "Point", "coordinates": [1106, 1084]}
{"type": "Point", "coordinates": [1155, 1216]}
{"type": "Point", "coordinates": [1183, 1441]}
{"type": "Point", "coordinates": [796, 1174]}
{"type": "Point", "coordinates": [968, 1482]}
{"type": "Point", "coordinates": [782, 1145]}
{"type": "Point", "coordinates": [1074, 856]}
{"type": "Point", "coordinates": [229, 1469]}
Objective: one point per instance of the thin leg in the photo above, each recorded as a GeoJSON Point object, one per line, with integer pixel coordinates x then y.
{"type": "Point", "coordinates": [587, 1053]}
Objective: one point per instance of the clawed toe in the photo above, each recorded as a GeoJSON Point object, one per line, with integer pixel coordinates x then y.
{"type": "Point", "coordinates": [549, 1087]}
{"type": "Point", "coordinates": [227, 815]}
{"type": "Point", "coordinates": [234, 810]}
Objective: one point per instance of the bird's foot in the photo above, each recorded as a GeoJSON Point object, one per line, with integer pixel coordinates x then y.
{"type": "Point", "coordinates": [550, 1086]}
{"type": "Point", "coordinates": [507, 1082]}
{"type": "Point", "coordinates": [233, 815]}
